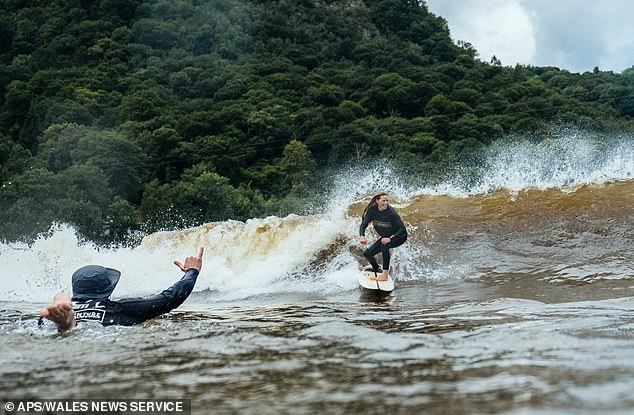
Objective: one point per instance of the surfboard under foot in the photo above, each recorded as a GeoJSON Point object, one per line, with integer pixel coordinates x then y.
{"type": "Point", "coordinates": [368, 282]}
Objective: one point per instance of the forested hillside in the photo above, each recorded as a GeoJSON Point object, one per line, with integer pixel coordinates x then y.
{"type": "Point", "coordinates": [160, 114]}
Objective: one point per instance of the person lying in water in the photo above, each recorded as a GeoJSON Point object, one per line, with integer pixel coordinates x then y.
{"type": "Point", "coordinates": [92, 286]}
{"type": "Point", "coordinates": [392, 233]}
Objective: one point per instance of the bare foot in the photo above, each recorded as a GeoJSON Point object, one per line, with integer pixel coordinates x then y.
{"type": "Point", "coordinates": [368, 268]}
{"type": "Point", "coordinates": [60, 312]}
{"type": "Point", "coordinates": [381, 277]}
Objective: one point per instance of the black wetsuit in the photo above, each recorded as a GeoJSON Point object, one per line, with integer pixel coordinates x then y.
{"type": "Point", "coordinates": [388, 224]}
{"type": "Point", "coordinates": [131, 311]}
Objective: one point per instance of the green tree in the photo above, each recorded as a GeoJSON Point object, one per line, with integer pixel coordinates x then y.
{"type": "Point", "coordinates": [298, 164]}
{"type": "Point", "coordinates": [118, 157]}
{"type": "Point", "coordinates": [122, 221]}
{"type": "Point", "coordinates": [160, 96]}
{"type": "Point", "coordinates": [200, 196]}
{"type": "Point", "coordinates": [328, 95]}
{"type": "Point", "coordinates": [35, 200]}
{"type": "Point", "coordinates": [440, 105]}
{"type": "Point", "coordinates": [14, 159]}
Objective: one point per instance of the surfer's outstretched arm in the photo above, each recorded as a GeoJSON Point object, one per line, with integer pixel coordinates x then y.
{"type": "Point", "coordinates": [137, 310]}
{"type": "Point", "coordinates": [125, 311]}
{"type": "Point", "coordinates": [60, 312]}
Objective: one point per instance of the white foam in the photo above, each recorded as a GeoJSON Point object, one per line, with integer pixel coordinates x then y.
{"type": "Point", "coordinates": [266, 255]}
{"type": "Point", "coordinates": [249, 258]}
{"type": "Point", "coordinates": [564, 162]}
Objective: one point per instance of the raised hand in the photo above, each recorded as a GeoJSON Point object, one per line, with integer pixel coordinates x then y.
{"type": "Point", "coordinates": [195, 262]}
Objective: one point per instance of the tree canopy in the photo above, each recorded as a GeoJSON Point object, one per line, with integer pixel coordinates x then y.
{"type": "Point", "coordinates": [157, 114]}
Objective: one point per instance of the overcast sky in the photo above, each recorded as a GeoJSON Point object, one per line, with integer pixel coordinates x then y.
{"type": "Point", "coordinates": [576, 35]}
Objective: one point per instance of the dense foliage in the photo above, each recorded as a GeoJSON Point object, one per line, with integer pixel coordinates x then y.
{"type": "Point", "coordinates": [116, 114]}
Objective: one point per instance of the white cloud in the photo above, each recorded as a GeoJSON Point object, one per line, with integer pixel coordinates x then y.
{"type": "Point", "coordinates": [494, 27]}
{"type": "Point", "coordinates": [570, 34]}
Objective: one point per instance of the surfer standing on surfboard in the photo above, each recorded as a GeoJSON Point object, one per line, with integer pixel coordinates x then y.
{"type": "Point", "coordinates": [392, 233]}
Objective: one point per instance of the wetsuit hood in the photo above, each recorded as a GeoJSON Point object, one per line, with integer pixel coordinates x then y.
{"type": "Point", "coordinates": [94, 281]}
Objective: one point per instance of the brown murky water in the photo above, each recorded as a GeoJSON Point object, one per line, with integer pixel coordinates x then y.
{"type": "Point", "coordinates": [509, 303]}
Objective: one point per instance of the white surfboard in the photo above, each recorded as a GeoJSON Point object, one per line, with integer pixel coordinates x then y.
{"type": "Point", "coordinates": [367, 280]}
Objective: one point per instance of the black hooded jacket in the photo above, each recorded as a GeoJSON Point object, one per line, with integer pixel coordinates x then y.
{"type": "Point", "coordinates": [131, 311]}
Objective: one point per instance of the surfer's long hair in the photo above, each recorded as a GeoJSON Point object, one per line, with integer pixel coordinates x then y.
{"type": "Point", "coordinates": [373, 202]}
